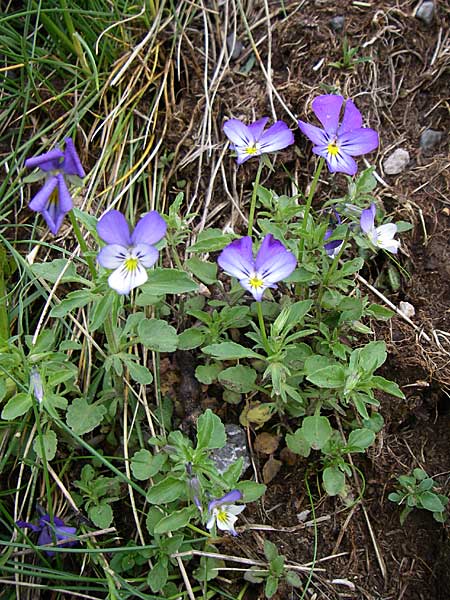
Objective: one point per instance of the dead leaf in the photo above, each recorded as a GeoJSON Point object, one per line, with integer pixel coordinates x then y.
{"type": "Point", "coordinates": [266, 443]}
{"type": "Point", "coordinates": [270, 469]}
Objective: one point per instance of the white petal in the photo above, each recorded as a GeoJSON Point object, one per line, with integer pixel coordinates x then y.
{"type": "Point", "coordinates": [123, 280]}
{"type": "Point", "coordinates": [228, 525]}
{"type": "Point", "coordinates": [211, 520]}
{"type": "Point", "coordinates": [234, 509]}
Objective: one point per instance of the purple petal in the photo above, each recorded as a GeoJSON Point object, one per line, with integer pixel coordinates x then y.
{"type": "Point", "coordinates": [341, 163]}
{"type": "Point", "coordinates": [243, 156]}
{"type": "Point", "coordinates": [112, 256]}
{"type": "Point", "coordinates": [47, 162]}
{"type": "Point", "coordinates": [238, 133]}
{"type": "Point", "coordinates": [352, 118]}
{"type": "Point", "coordinates": [229, 498]}
{"type": "Point", "coordinates": [359, 141]}
{"type": "Point", "coordinates": [39, 201]}
{"type": "Point", "coordinates": [276, 138]}
{"type": "Point", "coordinates": [367, 220]}
{"type": "Point", "coordinates": [146, 254]}
{"type": "Point", "coordinates": [55, 210]}
{"type": "Point", "coordinates": [66, 533]}
{"type": "Point", "coordinates": [315, 134]}
{"type": "Point", "coordinates": [273, 262]}
{"type": "Point", "coordinates": [113, 229]}
{"type": "Point", "coordinates": [25, 524]}
{"type": "Point", "coordinates": [45, 537]}
{"type": "Point", "coordinates": [257, 293]}
{"type": "Point", "coordinates": [72, 164]}
{"type": "Point", "coordinates": [327, 109]}
{"type": "Point", "coordinates": [150, 229]}
{"type": "Point", "coordinates": [257, 127]}
{"type": "Point", "coordinates": [64, 197]}
{"type": "Point", "coordinates": [236, 259]}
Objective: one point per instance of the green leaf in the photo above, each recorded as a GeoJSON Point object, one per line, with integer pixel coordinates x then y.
{"type": "Point", "coordinates": [229, 351]}
{"type": "Point", "coordinates": [293, 579]}
{"type": "Point", "coordinates": [271, 586]}
{"type": "Point", "coordinates": [360, 439]}
{"type": "Point", "coordinates": [207, 373]}
{"type": "Point", "coordinates": [332, 376]}
{"type": "Point", "coordinates": [175, 520]}
{"type": "Point", "coordinates": [395, 497]}
{"type": "Point", "coordinates": [387, 386]}
{"type": "Point", "coordinates": [76, 299]}
{"type": "Point", "coordinates": [145, 465]}
{"type": "Point", "coordinates": [379, 312]}
{"type": "Point", "coordinates": [50, 442]}
{"type": "Point", "coordinates": [168, 281]}
{"type": "Point", "coordinates": [139, 373]}
{"type": "Point", "coordinates": [270, 550]}
{"type": "Point", "coordinates": [204, 270]}
{"type": "Point", "coordinates": [333, 481]}
{"type": "Point", "coordinates": [190, 338]}
{"type": "Point", "coordinates": [83, 417]}
{"type": "Point", "coordinates": [50, 271]}
{"type": "Point", "coordinates": [17, 406]}
{"type": "Point", "coordinates": [431, 502]}
{"type": "Point", "coordinates": [209, 567]}
{"type": "Point", "coordinates": [350, 267]}
{"type": "Point", "coordinates": [101, 310]}
{"type": "Point", "coordinates": [210, 431]}
{"type": "Point", "coordinates": [403, 226]}
{"type": "Point", "coordinates": [372, 355]}
{"type": "Point", "coordinates": [317, 431]}
{"type": "Point", "coordinates": [167, 490]}
{"type": "Point", "coordinates": [158, 335]}
{"type": "Point", "coordinates": [158, 575]}
{"type": "Point", "coordinates": [240, 379]}
{"type": "Point", "coordinates": [251, 490]}
{"type": "Point", "coordinates": [101, 515]}
{"type": "Point", "coordinates": [210, 240]}
{"type": "Point", "coordinates": [297, 443]}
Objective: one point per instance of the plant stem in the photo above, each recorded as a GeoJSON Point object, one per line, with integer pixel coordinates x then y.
{"type": "Point", "coordinates": [309, 200]}
{"type": "Point", "coordinates": [83, 245]}
{"type": "Point", "coordinates": [251, 214]}
{"type": "Point", "coordinates": [4, 320]}
{"type": "Point", "coordinates": [262, 328]}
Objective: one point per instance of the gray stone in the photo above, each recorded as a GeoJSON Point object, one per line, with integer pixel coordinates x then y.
{"type": "Point", "coordinates": [396, 162]}
{"type": "Point", "coordinates": [337, 23]}
{"type": "Point", "coordinates": [234, 449]}
{"type": "Point", "coordinates": [425, 12]}
{"type": "Point", "coordinates": [234, 46]}
{"type": "Point", "coordinates": [430, 138]}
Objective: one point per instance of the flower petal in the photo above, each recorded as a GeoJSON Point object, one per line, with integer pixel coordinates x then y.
{"type": "Point", "coordinates": [236, 259]}
{"type": "Point", "coordinates": [112, 256]}
{"type": "Point", "coordinates": [359, 141]}
{"type": "Point", "coordinates": [45, 537]}
{"type": "Point", "coordinates": [238, 133]}
{"type": "Point", "coordinates": [146, 254]}
{"type": "Point", "coordinates": [235, 510]}
{"type": "Point", "coordinates": [327, 109]}
{"type": "Point", "coordinates": [227, 524]}
{"type": "Point", "coordinates": [385, 237]}
{"type": "Point", "coordinates": [113, 229]}
{"type": "Point", "coordinates": [64, 198]}
{"type": "Point", "coordinates": [39, 201]}
{"type": "Point", "coordinates": [258, 292]}
{"type": "Point", "coordinates": [72, 164]}
{"type": "Point", "coordinates": [48, 161]}
{"type": "Point", "coordinates": [150, 229]}
{"type": "Point", "coordinates": [257, 127]}
{"type": "Point", "coordinates": [315, 134]}
{"type": "Point", "coordinates": [367, 220]}
{"type": "Point", "coordinates": [273, 262]}
{"type": "Point", "coordinates": [66, 533]}
{"type": "Point", "coordinates": [25, 524]}
{"type": "Point", "coordinates": [232, 496]}
{"type": "Point", "coordinates": [352, 118]}
{"type": "Point", "coordinates": [123, 280]}
{"type": "Point", "coordinates": [341, 163]}
{"type": "Point", "coordinates": [276, 138]}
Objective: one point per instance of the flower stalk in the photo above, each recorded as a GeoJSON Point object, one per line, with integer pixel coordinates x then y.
{"type": "Point", "coordinates": [251, 214]}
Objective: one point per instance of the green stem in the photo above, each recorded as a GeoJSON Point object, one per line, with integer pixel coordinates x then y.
{"type": "Point", "coordinates": [313, 514]}
{"type": "Point", "coordinates": [251, 215]}
{"type": "Point", "coordinates": [309, 200]}
{"type": "Point", "coordinates": [4, 320]}
{"type": "Point", "coordinates": [83, 245]}
{"type": "Point", "coordinates": [262, 328]}
{"type": "Point", "coordinates": [329, 273]}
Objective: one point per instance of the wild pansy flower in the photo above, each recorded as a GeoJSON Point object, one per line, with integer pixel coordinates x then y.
{"type": "Point", "coordinates": [46, 527]}
{"type": "Point", "coordinates": [272, 264]}
{"type": "Point", "coordinates": [337, 143]}
{"type": "Point", "coordinates": [333, 248]}
{"type": "Point", "coordinates": [252, 140]}
{"type": "Point", "coordinates": [224, 513]}
{"type": "Point", "coordinates": [129, 255]}
{"type": "Point", "coordinates": [53, 201]}
{"type": "Point", "coordinates": [382, 236]}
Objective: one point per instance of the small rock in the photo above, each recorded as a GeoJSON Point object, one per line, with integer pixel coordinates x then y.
{"type": "Point", "coordinates": [429, 139]}
{"type": "Point", "coordinates": [396, 162]}
{"type": "Point", "coordinates": [337, 23]}
{"type": "Point", "coordinates": [425, 12]}
{"type": "Point", "coordinates": [234, 449]}
{"type": "Point", "coordinates": [234, 46]}
{"type": "Point", "coordinates": [407, 309]}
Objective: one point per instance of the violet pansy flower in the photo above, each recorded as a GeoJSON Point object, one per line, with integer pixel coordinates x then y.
{"type": "Point", "coordinates": [272, 264]}
{"type": "Point", "coordinates": [338, 141]}
{"type": "Point", "coordinates": [382, 236]}
{"type": "Point", "coordinates": [333, 248]}
{"type": "Point", "coordinates": [223, 512]}
{"type": "Point", "coordinates": [129, 254]}
{"type": "Point", "coordinates": [252, 140]}
{"type": "Point", "coordinates": [46, 527]}
{"type": "Point", "coordinates": [53, 200]}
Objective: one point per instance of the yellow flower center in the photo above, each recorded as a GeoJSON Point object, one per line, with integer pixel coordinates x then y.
{"type": "Point", "coordinates": [131, 263]}
{"type": "Point", "coordinates": [256, 282]}
{"type": "Point", "coordinates": [251, 150]}
{"type": "Point", "coordinates": [222, 516]}
{"type": "Point", "coordinates": [333, 149]}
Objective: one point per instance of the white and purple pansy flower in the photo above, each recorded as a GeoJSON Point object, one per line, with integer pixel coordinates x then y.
{"type": "Point", "coordinates": [273, 263]}
{"type": "Point", "coordinates": [382, 236]}
{"type": "Point", "coordinates": [223, 512]}
{"type": "Point", "coordinates": [53, 200]}
{"type": "Point", "coordinates": [50, 530]}
{"type": "Point", "coordinates": [129, 254]}
{"type": "Point", "coordinates": [338, 141]}
{"type": "Point", "coordinates": [252, 140]}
